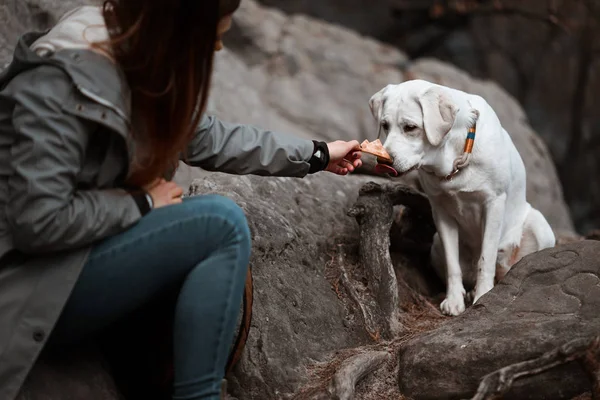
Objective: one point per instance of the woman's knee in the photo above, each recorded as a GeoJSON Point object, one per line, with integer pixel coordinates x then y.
{"type": "Point", "coordinates": [227, 212]}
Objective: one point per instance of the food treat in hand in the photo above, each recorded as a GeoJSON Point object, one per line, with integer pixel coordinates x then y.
{"type": "Point", "coordinates": [376, 148]}
{"type": "Point", "coordinates": [384, 160]}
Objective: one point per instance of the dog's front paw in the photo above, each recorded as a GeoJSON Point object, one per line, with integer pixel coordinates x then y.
{"type": "Point", "coordinates": [454, 304]}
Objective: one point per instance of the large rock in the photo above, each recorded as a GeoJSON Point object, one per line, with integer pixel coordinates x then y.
{"type": "Point", "coordinates": [316, 76]}
{"type": "Point", "coordinates": [546, 300]}
{"type": "Point", "coordinates": [298, 319]}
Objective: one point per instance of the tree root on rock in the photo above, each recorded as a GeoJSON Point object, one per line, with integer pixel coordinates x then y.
{"type": "Point", "coordinates": [493, 386]}
{"type": "Point", "coordinates": [379, 303]}
{"type": "Point", "coordinates": [374, 213]}
{"type": "Point", "coordinates": [353, 370]}
{"type": "Point", "coordinates": [367, 319]}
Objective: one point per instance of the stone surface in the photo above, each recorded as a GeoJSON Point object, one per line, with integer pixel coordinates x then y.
{"type": "Point", "coordinates": [546, 300]}
{"type": "Point", "coordinates": [297, 318]}
{"type": "Point", "coordinates": [314, 75]}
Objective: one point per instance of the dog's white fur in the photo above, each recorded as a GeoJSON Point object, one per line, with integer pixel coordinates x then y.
{"type": "Point", "coordinates": [483, 219]}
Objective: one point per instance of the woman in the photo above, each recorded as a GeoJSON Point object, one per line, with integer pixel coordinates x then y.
{"type": "Point", "coordinates": [92, 114]}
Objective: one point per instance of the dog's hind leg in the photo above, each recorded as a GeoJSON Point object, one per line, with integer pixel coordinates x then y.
{"type": "Point", "coordinates": [537, 235]}
{"type": "Point", "coordinates": [506, 259]}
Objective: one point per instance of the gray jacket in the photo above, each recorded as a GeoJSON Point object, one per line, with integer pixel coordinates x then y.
{"type": "Point", "coordinates": [64, 155]}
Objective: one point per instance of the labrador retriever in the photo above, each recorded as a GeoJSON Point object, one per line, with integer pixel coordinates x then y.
{"type": "Point", "coordinates": [475, 180]}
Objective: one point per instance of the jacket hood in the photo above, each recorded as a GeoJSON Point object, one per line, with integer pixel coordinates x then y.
{"type": "Point", "coordinates": [69, 46]}
{"type": "Point", "coordinates": [77, 29]}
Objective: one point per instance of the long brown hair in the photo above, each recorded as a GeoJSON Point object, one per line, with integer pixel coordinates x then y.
{"type": "Point", "coordinates": [165, 49]}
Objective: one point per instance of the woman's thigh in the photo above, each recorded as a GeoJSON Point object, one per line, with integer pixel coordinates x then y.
{"type": "Point", "coordinates": [128, 270]}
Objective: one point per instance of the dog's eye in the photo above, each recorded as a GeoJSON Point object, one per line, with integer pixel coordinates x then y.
{"type": "Point", "coordinates": [385, 125]}
{"type": "Point", "coordinates": [409, 128]}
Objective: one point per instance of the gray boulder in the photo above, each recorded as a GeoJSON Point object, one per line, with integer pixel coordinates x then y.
{"type": "Point", "coordinates": [298, 319]}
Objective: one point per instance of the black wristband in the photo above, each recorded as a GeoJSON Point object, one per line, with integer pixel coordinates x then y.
{"type": "Point", "coordinates": [320, 158]}
{"type": "Point", "coordinates": [141, 199]}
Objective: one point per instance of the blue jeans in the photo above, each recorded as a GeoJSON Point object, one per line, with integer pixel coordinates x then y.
{"type": "Point", "coordinates": [202, 247]}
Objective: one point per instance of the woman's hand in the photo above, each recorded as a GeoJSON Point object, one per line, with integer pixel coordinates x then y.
{"type": "Point", "coordinates": [344, 157]}
{"type": "Point", "coordinates": [164, 193]}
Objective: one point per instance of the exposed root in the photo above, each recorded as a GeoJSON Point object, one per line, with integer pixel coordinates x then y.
{"type": "Point", "coordinates": [375, 220]}
{"type": "Point", "coordinates": [416, 321]}
{"type": "Point", "coordinates": [366, 317]}
{"type": "Point", "coordinates": [353, 370]}
{"type": "Point", "coordinates": [493, 386]}
{"type": "Point", "coordinates": [390, 310]}
{"type": "Point", "coordinates": [374, 213]}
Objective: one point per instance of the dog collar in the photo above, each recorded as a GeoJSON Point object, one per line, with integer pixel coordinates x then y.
{"type": "Point", "coordinates": [463, 160]}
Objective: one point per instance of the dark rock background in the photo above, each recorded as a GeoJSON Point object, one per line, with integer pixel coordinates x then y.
{"type": "Point", "coordinates": [542, 52]}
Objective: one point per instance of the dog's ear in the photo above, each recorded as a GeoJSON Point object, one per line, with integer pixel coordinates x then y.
{"type": "Point", "coordinates": [376, 103]}
{"type": "Point", "coordinates": [439, 113]}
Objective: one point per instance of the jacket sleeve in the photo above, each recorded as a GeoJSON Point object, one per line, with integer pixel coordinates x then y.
{"type": "Point", "coordinates": [244, 149]}
{"type": "Point", "coordinates": [45, 210]}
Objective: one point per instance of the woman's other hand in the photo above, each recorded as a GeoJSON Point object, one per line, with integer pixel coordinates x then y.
{"type": "Point", "coordinates": [164, 193]}
{"type": "Point", "coordinates": [344, 157]}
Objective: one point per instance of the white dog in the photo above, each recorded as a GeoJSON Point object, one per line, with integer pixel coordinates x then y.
{"type": "Point", "coordinates": [476, 187]}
